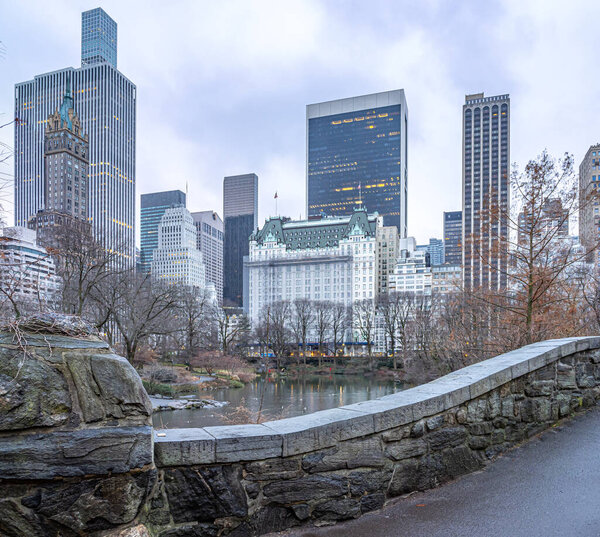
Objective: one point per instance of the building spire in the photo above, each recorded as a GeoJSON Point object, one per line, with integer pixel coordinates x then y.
{"type": "Point", "coordinates": [67, 103]}
{"type": "Point", "coordinates": [68, 92]}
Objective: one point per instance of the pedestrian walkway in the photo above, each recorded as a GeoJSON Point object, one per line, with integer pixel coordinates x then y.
{"type": "Point", "coordinates": [549, 487]}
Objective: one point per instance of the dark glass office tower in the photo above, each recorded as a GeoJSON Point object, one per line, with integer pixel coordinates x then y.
{"type": "Point", "coordinates": [453, 238]}
{"type": "Point", "coordinates": [240, 217]}
{"type": "Point", "coordinates": [356, 155]}
{"type": "Point", "coordinates": [486, 190]}
{"type": "Point", "coordinates": [153, 208]}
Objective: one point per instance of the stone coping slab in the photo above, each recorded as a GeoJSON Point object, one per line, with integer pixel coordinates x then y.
{"type": "Point", "coordinates": [303, 434]}
{"type": "Point", "coordinates": [97, 451]}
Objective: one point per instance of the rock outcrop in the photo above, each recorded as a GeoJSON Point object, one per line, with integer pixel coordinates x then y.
{"type": "Point", "coordinates": [75, 432]}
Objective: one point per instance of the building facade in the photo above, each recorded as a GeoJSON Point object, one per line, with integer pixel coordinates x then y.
{"type": "Point", "coordinates": [388, 243]}
{"type": "Point", "coordinates": [209, 228]}
{"type": "Point", "coordinates": [66, 170]}
{"type": "Point", "coordinates": [98, 38]}
{"type": "Point", "coordinates": [412, 273]}
{"type": "Point", "coordinates": [435, 249]}
{"type": "Point", "coordinates": [549, 222]}
{"type": "Point", "coordinates": [177, 260]}
{"type": "Point", "coordinates": [153, 207]}
{"type": "Point", "coordinates": [105, 101]}
{"type": "Point", "coordinates": [486, 190]}
{"type": "Point", "coordinates": [446, 279]}
{"type": "Point", "coordinates": [332, 259]}
{"type": "Point", "coordinates": [589, 203]}
{"type": "Point", "coordinates": [453, 238]}
{"type": "Point", "coordinates": [356, 155]}
{"type": "Point", "coordinates": [240, 218]}
{"type": "Point", "coordinates": [27, 271]}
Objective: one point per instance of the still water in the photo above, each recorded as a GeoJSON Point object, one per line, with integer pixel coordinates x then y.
{"type": "Point", "coordinates": [281, 398]}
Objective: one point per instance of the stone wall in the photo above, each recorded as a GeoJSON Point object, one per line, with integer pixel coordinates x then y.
{"type": "Point", "coordinates": [77, 455]}
{"type": "Point", "coordinates": [75, 434]}
{"type": "Point", "coordinates": [341, 463]}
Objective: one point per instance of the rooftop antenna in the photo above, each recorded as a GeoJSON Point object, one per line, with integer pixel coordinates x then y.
{"type": "Point", "coordinates": [359, 195]}
{"type": "Point", "coordinates": [276, 197]}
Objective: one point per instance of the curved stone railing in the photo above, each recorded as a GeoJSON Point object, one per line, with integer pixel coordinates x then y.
{"type": "Point", "coordinates": [337, 464]}
{"type": "Point", "coordinates": [78, 457]}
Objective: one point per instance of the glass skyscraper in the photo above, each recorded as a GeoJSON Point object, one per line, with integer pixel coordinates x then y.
{"type": "Point", "coordinates": [357, 155]}
{"type": "Point", "coordinates": [153, 207]}
{"type": "Point", "coordinates": [98, 38]}
{"type": "Point", "coordinates": [486, 190]}
{"type": "Point", "coordinates": [453, 238]}
{"type": "Point", "coordinates": [435, 249]}
{"type": "Point", "coordinates": [240, 217]}
{"type": "Point", "coordinates": [105, 101]}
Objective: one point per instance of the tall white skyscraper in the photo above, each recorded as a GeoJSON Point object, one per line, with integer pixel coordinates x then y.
{"type": "Point", "coordinates": [209, 227]}
{"type": "Point", "coordinates": [177, 260]}
{"type": "Point", "coordinates": [105, 101]}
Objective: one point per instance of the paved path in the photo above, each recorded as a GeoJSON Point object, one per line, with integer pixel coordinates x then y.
{"type": "Point", "coordinates": [548, 487]}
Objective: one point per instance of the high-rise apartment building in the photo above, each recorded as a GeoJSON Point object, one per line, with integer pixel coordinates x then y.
{"type": "Point", "coordinates": [98, 38]}
{"type": "Point", "coordinates": [486, 190]}
{"type": "Point", "coordinates": [105, 101]}
{"type": "Point", "coordinates": [27, 270]}
{"type": "Point", "coordinates": [412, 273]}
{"type": "Point", "coordinates": [209, 228]}
{"type": "Point", "coordinates": [240, 217]}
{"type": "Point", "coordinates": [435, 249]}
{"type": "Point", "coordinates": [356, 155]}
{"type": "Point", "coordinates": [388, 243]}
{"type": "Point", "coordinates": [453, 238]}
{"type": "Point", "coordinates": [589, 203]}
{"type": "Point", "coordinates": [153, 206]}
{"type": "Point", "coordinates": [177, 260]}
{"type": "Point", "coordinates": [550, 221]}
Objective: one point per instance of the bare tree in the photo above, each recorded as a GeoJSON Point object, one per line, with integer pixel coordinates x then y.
{"type": "Point", "coordinates": [538, 293]}
{"type": "Point", "coordinates": [395, 310]}
{"type": "Point", "coordinates": [363, 316]}
{"type": "Point", "coordinates": [192, 319]}
{"type": "Point", "coordinates": [233, 328]}
{"type": "Point", "coordinates": [323, 319]}
{"type": "Point", "coordinates": [262, 331]}
{"type": "Point", "coordinates": [302, 321]}
{"type": "Point", "coordinates": [82, 264]}
{"type": "Point", "coordinates": [280, 320]}
{"type": "Point", "coordinates": [137, 306]}
{"type": "Point", "coordinates": [340, 321]}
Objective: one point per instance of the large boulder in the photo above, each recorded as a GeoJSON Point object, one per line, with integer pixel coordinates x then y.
{"type": "Point", "coordinates": [75, 432]}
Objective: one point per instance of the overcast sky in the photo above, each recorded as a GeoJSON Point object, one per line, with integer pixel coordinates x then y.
{"type": "Point", "coordinates": [222, 86]}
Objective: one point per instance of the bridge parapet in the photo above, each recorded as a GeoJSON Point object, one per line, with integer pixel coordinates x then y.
{"type": "Point", "coordinates": [340, 463]}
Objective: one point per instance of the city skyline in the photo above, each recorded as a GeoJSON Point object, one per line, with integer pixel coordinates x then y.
{"type": "Point", "coordinates": [231, 147]}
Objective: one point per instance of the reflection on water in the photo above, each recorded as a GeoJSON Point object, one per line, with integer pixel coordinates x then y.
{"type": "Point", "coordinates": [282, 398]}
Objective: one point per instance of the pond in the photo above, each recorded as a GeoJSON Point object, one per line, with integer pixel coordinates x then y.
{"type": "Point", "coordinates": [281, 398]}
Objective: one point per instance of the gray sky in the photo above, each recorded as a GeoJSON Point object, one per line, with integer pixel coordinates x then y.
{"type": "Point", "coordinates": [222, 86]}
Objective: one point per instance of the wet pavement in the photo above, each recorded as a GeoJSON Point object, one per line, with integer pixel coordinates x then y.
{"type": "Point", "coordinates": [548, 487]}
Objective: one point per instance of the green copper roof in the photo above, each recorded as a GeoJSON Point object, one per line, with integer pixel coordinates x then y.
{"type": "Point", "coordinates": [326, 232]}
{"type": "Point", "coordinates": [67, 104]}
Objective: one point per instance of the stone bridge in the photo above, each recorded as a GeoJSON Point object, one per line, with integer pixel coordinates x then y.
{"type": "Point", "coordinates": [78, 455]}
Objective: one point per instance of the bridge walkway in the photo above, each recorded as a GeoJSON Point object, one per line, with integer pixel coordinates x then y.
{"type": "Point", "coordinates": [548, 487]}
